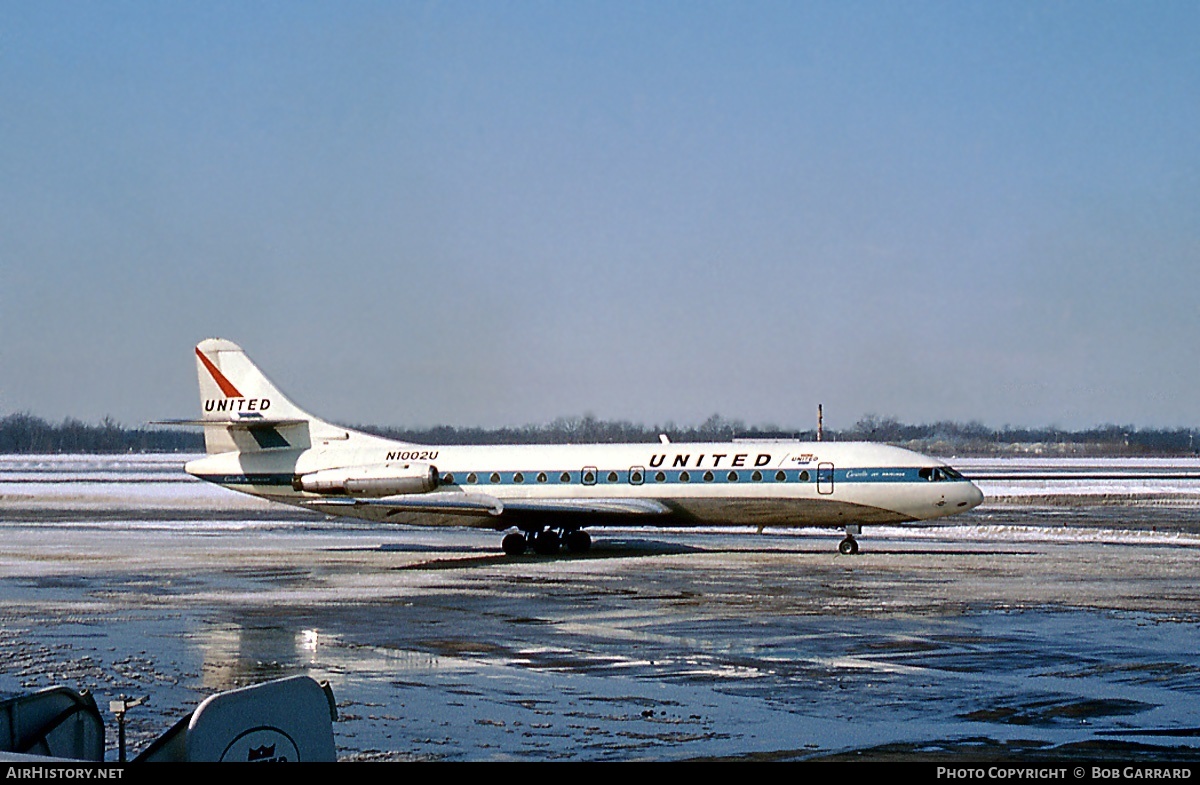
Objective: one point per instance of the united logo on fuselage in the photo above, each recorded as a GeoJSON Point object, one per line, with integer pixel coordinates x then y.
{"type": "Point", "coordinates": [716, 460]}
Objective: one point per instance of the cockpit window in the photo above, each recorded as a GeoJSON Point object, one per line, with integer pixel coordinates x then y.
{"type": "Point", "coordinates": [939, 473]}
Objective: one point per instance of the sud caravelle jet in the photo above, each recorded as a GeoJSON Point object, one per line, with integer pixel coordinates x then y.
{"type": "Point", "coordinates": [259, 442]}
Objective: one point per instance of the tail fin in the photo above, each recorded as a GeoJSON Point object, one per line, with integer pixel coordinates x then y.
{"type": "Point", "coordinates": [242, 411]}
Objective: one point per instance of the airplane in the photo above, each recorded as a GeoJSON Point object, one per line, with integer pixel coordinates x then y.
{"type": "Point", "coordinates": [545, 496]}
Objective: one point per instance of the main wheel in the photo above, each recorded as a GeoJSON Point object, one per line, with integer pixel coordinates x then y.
{"type": "Point", "coordinates": [848, 546]}
{"type": "Point", "coordinates": [513, 544]}
{"type": "Point", "coordinates": [578, 541]}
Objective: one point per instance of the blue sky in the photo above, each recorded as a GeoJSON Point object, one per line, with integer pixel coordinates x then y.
{"type": "Point", "coordinates": [500, 213]}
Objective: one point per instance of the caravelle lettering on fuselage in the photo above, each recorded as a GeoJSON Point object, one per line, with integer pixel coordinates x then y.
{"type": "Point", "coordinates": [237, 404]}
{"type": "Point", "coordinates": [549, 493]}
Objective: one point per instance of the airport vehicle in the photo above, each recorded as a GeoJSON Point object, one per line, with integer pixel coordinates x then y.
{"type": "Point", "coordinates": [259, 442]}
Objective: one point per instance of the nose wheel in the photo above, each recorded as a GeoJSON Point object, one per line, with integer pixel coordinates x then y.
{"type": "Point", "coordinates": [849, 546]}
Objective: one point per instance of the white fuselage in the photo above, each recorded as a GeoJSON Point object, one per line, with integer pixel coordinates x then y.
{"type": "Point", "coordinates": [761, 483]}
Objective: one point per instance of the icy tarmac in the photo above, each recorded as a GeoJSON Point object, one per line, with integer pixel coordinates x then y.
{"type": "Point", "coordinates": [1056, 621]}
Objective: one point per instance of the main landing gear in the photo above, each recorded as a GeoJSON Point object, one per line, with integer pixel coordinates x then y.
{"type": "Point", "coordinates": [546, 542]}
{"type": "Point", "coordinates": [849, 546]}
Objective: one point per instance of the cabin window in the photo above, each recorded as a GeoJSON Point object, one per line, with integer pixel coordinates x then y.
{"type": "Point", "coordinates": [564, 477]}
{"type": "Point", "coordinates": [448, 479]}
{"type": "Point", "coordinates": [495, 477]}
{"type": "Point", "coordinates": [635, 476]}
{"type": "Point", "coordinates": [612, 477]}
{"type": "Point", "coordinates": [541, 477]}
{"type": "Point", "coordinates": [757, 476]}
{"type": "Point", "coordinates": [685, 477]}
{"type": "Point", "coordinates": [804, 476]}
{"type": "Point", "coordinates": [732, 476]}
{"type": "Point", "coordinates": [518, 477]}
{"type": "Point", "coordinates": [708, 476]}
{"type": "Point", "coordinates": [472, 478]}
{"type": "Point", "coordinates": [660, 477]}
{"type": "Point", "coordinates": [780, 476]}
{"type": "Point", "coordinates": [589, 476]}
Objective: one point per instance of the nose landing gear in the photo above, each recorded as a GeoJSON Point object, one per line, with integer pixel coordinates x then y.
{"type": "Point", "coordinates": [849, 546]}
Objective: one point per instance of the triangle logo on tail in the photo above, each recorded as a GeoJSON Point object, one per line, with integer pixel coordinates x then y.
{"type": "Point", "coordinates": [218, 377]}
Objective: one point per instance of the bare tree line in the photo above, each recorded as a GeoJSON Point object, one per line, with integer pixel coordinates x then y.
{"type": "Point", "coordinates": [26, 433]}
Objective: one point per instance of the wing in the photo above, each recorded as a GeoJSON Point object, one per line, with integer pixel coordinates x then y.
{"type": "Point", "coordinates": [589, 506]}
{"type": "Point", "coordinates": [441, 503]}
{"type": "Point", "coordinates": [581, 510]}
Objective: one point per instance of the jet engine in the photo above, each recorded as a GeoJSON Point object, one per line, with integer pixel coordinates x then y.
{"type": "Point", "coordinates": [377, 479]}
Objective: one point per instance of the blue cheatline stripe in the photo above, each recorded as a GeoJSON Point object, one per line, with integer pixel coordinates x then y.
{"type": "Point", "coordinates": [677, 476]}
{"type": "Point", "coordinates": [603, 477]}
{"type": "Point", "coordinates": [622, 477]}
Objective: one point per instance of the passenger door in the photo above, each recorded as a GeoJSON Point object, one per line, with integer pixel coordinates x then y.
{"type": "Point", "coordinates": [825, 477]}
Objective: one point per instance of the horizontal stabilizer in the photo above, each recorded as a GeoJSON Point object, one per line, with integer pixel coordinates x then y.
{"type": "Point", "coordinates": [245, 423]}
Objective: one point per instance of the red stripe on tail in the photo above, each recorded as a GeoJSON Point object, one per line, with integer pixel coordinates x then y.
{"type": "Point", "coordinates": [218, 377]}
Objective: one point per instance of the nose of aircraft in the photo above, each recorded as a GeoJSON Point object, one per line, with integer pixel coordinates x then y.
{"type": "Point", "coordinates": [972, 497]}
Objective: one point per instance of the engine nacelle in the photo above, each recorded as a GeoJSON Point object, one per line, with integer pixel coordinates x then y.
{"type": "Point", "coordinates": [377, 479]}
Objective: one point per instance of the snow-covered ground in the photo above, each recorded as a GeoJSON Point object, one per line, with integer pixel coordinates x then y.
{"type": "Point", "coordinates": [1174, 480]}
